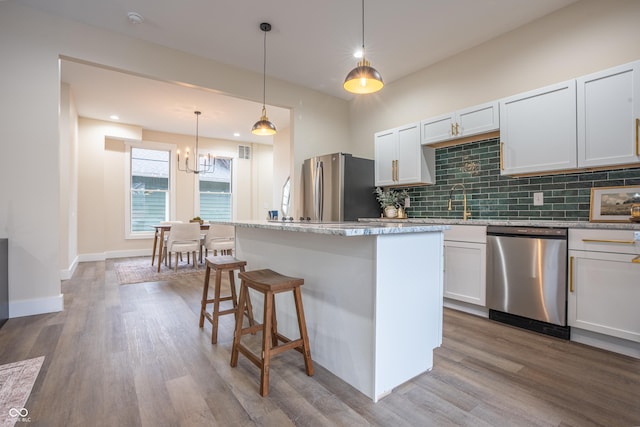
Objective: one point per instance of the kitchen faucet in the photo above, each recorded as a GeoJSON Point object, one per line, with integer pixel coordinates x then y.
{"type": "Point", "coordinates": [465, 214]}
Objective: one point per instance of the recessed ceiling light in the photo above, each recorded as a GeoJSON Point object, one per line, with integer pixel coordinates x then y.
{"type": "Point", "coordinates": [236, 134]}
{"type": "Point", "coordinates": [357, 53]}
{"type": "Point", "coordinates": [114, 117]}
{"type": "Point", "coordinates": [135, 18]}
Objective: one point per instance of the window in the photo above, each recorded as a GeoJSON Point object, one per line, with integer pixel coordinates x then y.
{"type": "Point", "coordinates": [215, 190]}
{"type": "Point", "coordinates": [149, 186]}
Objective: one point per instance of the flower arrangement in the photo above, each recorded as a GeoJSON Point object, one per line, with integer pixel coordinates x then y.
{"type": "Point", "coordinates": [390, 197]}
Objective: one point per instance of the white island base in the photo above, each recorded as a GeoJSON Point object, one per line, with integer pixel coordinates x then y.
{"type": "Point", "coordinates": [373, 303]}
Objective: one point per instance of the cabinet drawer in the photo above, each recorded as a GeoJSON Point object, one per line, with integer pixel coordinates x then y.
{"type": "Point", "coordinates": [615, 241]}
{"type": "Point", "coordinates": [466, 233]}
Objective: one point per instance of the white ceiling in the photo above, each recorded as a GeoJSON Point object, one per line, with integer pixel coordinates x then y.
{"type": "Point", "coordinates": [311, 44]}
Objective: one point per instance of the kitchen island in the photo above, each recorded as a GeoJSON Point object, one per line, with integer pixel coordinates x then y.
{"type": "Point", "coordinates": [372, 294]}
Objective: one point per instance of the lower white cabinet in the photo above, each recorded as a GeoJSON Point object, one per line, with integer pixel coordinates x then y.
{"type": "Point", "coordinates": [604, 283]}
{"type": "Point", "coordinates": [465, 264]}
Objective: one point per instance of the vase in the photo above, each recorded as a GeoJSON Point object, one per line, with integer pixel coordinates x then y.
{"type": "Point", "coordinates": [390, 212]}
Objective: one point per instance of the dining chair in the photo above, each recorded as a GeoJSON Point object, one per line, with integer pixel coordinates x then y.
{"type": "Point", "coordinates": [184, 237]}
{"type": "Point", "coordinates": [166, 237]}
{"type": "Point", "coordinates": [220, 239]}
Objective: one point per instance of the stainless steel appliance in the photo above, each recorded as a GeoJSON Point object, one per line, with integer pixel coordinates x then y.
{"type": "Point", "coordinates": [339, 187]}
{"type": "Point", "coordinates": [527, 278]}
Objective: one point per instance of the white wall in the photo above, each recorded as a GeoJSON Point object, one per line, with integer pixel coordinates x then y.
{"type": "Point", "coordinates": [584, 37]}
{"type": "Point", "coordinates": [31, 42]}
{"type": "Point", "coordinates": [102, 195]}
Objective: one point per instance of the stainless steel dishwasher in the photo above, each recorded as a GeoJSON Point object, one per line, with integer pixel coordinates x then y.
{"type": "Point", "coordinates": [527, 278]}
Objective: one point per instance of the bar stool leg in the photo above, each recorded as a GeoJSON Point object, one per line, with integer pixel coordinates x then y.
{"type": "Point", "coordinates": [249, 307]}
{"type": "Point", "coordinates": [205, 295]}
{"type": "Point", "coordinates": [302, 326]}
{"type": "Point", "coordinates": [267, 338]}
{"type": "Point", "coordinates": [216, 307]}
{"type": "Point", "coordinates": [238, 330]}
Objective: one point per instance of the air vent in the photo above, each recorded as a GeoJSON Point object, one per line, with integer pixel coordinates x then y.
{"type": "Point", "coordinates": [244, 152]}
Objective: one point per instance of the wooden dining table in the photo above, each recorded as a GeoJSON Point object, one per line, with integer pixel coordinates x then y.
{"type": "Point", "coordinates": [159, 235]}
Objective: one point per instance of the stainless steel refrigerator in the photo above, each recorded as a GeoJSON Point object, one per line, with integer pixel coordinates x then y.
{"type": "Point", "coordinates": [339, 187]}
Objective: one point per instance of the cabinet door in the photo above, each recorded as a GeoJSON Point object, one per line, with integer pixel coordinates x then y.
{"type": "Point", "coordinates": [476, 120]}
{"type": "Point", "coordinates": [408, 166]}
{"type": "Point", "coordinates": [386, 145]}
{"type": "Point", "coordinates": [604, 292]}
{"type": "Point", "coordinates": [538, 130]}
{"type": "Point", "coordinates": [464, 272]}
{"type": "Point", "coordinates": [438, 129]}
{"type": "Point", "coordinates": [608, 112]}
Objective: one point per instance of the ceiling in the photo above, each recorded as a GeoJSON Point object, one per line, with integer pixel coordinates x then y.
{"type": "Point", "coordinates": [311, 44]}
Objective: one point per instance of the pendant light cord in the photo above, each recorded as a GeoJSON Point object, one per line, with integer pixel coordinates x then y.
{"type": "Point", "coordinates": [264, 70]}
{"type": "Point", "coordinates": [363, 30]}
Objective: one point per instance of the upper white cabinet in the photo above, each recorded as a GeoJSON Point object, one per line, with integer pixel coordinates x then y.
{"type": "Point", "coordinates": [467, 122]}
{"type": "Point", "coordinates": [608, 110]}
{"type": "Point", "coordinates": [400, 159]}
{"type": "Point", "coordinates": [538, 130]}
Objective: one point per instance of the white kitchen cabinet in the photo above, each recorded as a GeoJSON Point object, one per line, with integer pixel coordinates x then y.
{"type": "Point", "coordinates": [401, 160]}
{"type": "Point", "coordinates": [465, 264]}
{"type": "Point", "coordinates": [467, 122]}
{"type": "Point", "coordinates": [604, 283]}
{"type": "Point", "coordinates": [538, 130]}
{"type": "Point", "coordinates": [608, 112]}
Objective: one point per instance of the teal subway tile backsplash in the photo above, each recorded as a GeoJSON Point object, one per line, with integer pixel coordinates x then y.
{"type": "Point", "coordinates": [492, 196]}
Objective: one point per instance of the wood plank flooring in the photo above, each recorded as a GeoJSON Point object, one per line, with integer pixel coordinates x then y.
{"type": "Point", "coordinates": [133, 355]}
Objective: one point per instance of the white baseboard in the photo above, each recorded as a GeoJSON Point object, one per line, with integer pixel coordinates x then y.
{"type": "Point", "coordinates": [35, 306]}
{"type": "Point", "coordinates": [66, 274]}
{"type": "Point", "coordinates": [102, 256]}
{"type": "Point", "coordinates": [128, 253]}
{"type": "Point", "coordinates": [606, 342]}
{"type": "Point", "coordinates": [466, 307]}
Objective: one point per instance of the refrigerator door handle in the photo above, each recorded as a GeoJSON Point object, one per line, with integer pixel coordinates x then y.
{"type": "Point", "coordinates": [318, 202]}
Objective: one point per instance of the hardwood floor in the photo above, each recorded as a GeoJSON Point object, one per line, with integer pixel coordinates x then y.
{"type": "Point", "coordinates": [133, 355]}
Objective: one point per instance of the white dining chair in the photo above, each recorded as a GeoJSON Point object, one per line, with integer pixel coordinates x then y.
{"type": "Point", "coordinates": [166, 237]}
{"type": "Point", "coordinates": [184, 237]}
{"type": "Point", "coordinates": [220, 239]}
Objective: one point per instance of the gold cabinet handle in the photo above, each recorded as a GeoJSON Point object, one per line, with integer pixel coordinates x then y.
{"type": "Point", "coordinates": [393, 170]}
{"type": "Point", "coordinates": [501, 155]}
{"type": "Point", "coordinates": [453, 130]}
{"type": "Point", "coordinates": [571, 274]}
{"type": "Point", "coordinates": [457, 129]}
{"type": "Point", "coordinates": [622, 242]}
{"type": "Point", "coordinates": [637, 143]}
{"type": "Point", "coordinates": [636, 260]}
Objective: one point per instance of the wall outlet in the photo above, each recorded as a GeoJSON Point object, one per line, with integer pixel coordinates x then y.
{"type": "Point", "coordinates": [636, 236]}
{"type": "Point", "coordinates": [538, 199]}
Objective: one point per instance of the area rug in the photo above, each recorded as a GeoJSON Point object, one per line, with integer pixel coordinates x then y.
{"type": "Point", "coordinates": [16, 382]}
{"type": "Point", "coordinates": [138, 270]}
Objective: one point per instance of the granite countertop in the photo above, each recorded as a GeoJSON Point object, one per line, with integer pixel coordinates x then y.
{"type": "Point", "coordinates": [347, 228]}
{"type": "Point", "coordinates": [516, 223]}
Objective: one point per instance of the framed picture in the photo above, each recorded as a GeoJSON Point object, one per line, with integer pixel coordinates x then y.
{"type": "Point", "coordinates": [613, 204]}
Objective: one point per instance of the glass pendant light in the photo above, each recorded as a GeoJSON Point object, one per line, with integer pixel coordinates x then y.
{"type": "Point", "coordinates": [364, 78]}
{"type": "Point", "coordinates": [264, 126]}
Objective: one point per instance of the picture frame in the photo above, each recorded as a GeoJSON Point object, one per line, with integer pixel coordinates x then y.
{"type": "Point", "coordinates": [613, 204]}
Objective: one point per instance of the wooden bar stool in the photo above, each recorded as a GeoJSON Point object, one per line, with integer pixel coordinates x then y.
{"type": "Point", "coordinates": [269, 283]}
{"type": "Point", "coordinates": [220, 264]}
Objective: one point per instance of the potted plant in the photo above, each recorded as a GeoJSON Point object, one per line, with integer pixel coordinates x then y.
{"type": "Point", "coordinates": [390, 200]}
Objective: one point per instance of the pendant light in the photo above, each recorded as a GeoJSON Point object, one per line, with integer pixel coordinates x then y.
{"type": "Point", "coordinates": [364, 78]}
{"type": "Point", "coordinates": [264, 126]}
{"type": "Point", "coordinates": [209, 162]}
